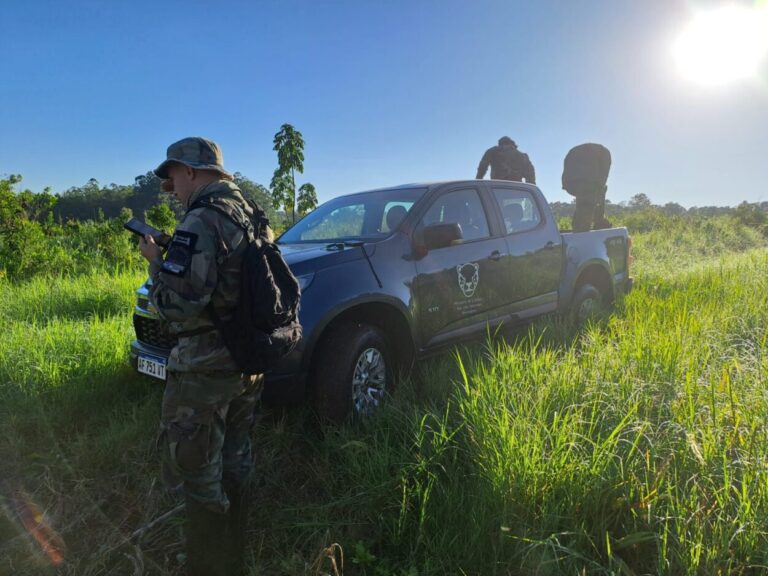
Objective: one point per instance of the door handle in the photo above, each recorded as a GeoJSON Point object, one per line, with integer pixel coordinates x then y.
{"type": "Point", "coordinates": [495, 255]}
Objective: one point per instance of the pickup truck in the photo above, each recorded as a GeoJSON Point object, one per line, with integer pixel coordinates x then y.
{"type": "Point", "coordinates": [390, 275]}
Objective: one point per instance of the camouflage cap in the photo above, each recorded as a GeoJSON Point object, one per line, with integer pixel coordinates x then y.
{"type": "Point", "coordinates": [194, 152]}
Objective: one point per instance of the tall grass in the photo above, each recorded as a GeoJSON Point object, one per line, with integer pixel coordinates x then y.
{"type": "Point", "coordinates": [639, 445]}
{"type": "Point", "coordinates": [636, 445]}
{"type": "Point", "coordinates": [667, 245]}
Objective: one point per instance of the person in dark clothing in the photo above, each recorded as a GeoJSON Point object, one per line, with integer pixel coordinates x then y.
{"type": "Point", "coordinates": [507, 163]}
{"type": "Point", "coordinates": [585, 173]}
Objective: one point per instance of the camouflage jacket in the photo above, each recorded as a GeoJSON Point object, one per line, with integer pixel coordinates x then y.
{"type": "Point", "coordinates": [201, 269]}
{"type": "Point", "coordinates": [507, 163]}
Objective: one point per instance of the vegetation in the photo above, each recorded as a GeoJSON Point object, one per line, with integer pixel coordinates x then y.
{"type": "Point", "coordinates": [81, 230]}
{"type": "Point", "coordinates": [635, 445]}
{"type": "Point", "coordinates": [289, 145]}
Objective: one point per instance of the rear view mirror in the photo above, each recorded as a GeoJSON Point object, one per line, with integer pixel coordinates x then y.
{"type": "Point", "coordinates": [441, 235]}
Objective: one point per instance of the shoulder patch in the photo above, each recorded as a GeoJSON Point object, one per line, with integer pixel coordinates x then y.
{"type": "Point", "coordinates": [183, 238]}
{"type": "Point", "coordinates": [179, 253]}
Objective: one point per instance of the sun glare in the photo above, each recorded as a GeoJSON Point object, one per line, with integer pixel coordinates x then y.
{"type": "Point", "coordinates": [723, 45]}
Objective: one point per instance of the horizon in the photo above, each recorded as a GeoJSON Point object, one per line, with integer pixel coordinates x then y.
{"type": "Point", "coordinates": [383, 95]}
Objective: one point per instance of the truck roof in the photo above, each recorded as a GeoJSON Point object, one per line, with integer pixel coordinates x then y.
{"type": "Point", "coordinates": [436, 183]}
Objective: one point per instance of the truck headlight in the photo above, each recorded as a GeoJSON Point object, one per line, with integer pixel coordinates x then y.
{"type": "Point", "coordinates": [305, 280]}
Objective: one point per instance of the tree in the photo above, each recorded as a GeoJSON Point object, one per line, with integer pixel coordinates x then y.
{"type": "Point", "coordinates": [751, 215]}
{"type": "Point", "coordinates": [38, 207]}
{"type": "Point", "coordinates": [307, 199]}
{"type": "Point", "coordinates": [673, 209]}
{"type": "Point", "coordinates": [161, 216]}
{"type": "Point", "coordinates": [90, 201]}
{"type": "Point", "coordinates": [147, 193]}
{"type": "Point", "coordinates": [282, 195]}
{"type": "Point", "coordinates": [640, 201]}
{"type": "Point", "coordinates": [289, 145]}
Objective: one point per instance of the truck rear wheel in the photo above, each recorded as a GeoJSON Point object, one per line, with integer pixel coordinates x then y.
{"type": "Point", "coordinates": [353, 372]}
{"type": "Point", "coordinates": [586, 303]}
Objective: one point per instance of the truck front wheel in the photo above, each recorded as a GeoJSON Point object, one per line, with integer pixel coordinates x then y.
{"type": "Point", "coordinates": [353, 372]}
{"type": "Point", "coordinates": [587, 302]}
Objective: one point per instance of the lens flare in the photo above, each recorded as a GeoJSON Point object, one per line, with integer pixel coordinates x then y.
{"type": "Point", "coordinates": [34, 521]}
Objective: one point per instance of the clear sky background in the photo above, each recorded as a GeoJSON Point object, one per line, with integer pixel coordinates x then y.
{"type": "Point", "coordinates": [384, 92]}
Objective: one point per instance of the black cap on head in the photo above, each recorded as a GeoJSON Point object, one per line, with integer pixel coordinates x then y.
{"type": "Point", "coordinates": [506, 140]}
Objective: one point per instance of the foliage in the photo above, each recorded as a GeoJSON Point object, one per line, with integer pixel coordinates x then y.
{"type": "Point", "coordinates": [92, 201]}
{"type": "Point", "coordinates": [282, 193]}
{"type": "Point", "coordinates": [261, 196]}
{"type": "Point", "coordinates": [289, 145]}
{"type": "Point", "coordinates": [24, 222]}
{"type": "Point", "coordinates": [640, 201]}
{"type": "Point", "coordinates": [307, 199]}
{"type": "Point", "coordinates": [752, 215]}
{"type": "Point", "coordinates": [147, 193]}
{"type": "Point", "coordinates": [81, 230]}
{"type": "Point", "coordinates": [162, 217]}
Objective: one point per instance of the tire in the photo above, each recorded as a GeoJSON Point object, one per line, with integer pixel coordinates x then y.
{"type": "Point", "coordinates": [353, 372]}
{"type": "Point", "coordinates": [587, 303]}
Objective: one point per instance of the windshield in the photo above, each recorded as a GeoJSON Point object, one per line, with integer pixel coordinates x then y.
{"type": "Point", "coordinates": [368, 216]}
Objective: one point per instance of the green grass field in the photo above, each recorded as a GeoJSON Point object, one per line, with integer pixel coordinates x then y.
{"type": "Point", "coordinates": [636, 445]}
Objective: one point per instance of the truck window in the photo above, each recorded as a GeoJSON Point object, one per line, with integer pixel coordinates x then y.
{"type": "Point", "coordinates": [518, 209]}
{"type": "Point", "coordinates": [394, 213]}
{"type": "Point", "coordinates": [346, 221]}
{"type": "Point", "coordinates": [369, 216]}
{"type": "Point", "coordinates": [463, 207]}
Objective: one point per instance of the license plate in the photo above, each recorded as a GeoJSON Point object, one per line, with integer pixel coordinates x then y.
{"type": "Point", "coordinates": [152, 366]}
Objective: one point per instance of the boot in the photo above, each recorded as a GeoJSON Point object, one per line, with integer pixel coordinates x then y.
{"type": "Point", "coordinates": [239, 500]}
{"type": "Point", "coordinates": [206, 534]}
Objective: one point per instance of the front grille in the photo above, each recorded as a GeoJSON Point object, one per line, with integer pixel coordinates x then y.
{"type": "Point", "coordinates": [150, 331]}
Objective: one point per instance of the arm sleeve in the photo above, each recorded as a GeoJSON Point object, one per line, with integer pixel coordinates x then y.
{"type": "Point", "coordinates": [184, 295]}
{"type": "Point", "coordinates": [483, 166]}
{"type": "Point", "coordinates": [530, 172]}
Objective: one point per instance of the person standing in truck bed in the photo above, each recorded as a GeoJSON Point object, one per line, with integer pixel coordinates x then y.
{"type": "Point", "coordinates": [507, 163]}
{"type": "Point", "coordinates": [585, 173]}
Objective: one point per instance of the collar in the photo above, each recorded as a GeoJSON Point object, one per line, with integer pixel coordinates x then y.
{"type": "Point", "coordinates": [216, 187]}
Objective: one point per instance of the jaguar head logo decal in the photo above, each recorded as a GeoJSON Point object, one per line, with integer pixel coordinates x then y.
{"type": "Point", "coordinates": [469, 277]}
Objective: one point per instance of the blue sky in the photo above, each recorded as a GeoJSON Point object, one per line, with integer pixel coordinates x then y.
{"type": "Point", "coordinates": [384, 92]}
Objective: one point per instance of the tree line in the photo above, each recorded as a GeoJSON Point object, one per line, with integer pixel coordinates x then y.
{"type": "Point", "coordinates": [81, 228]}
{"type": "Point", "coordinates": [93, 201]}
{"type": "Point", "coordinates": [641, 208]}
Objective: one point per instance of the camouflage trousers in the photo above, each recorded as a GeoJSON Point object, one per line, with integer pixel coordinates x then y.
{"type": "Point", "coordinates": [590, 208]}
{"type": "Point", "coordinates": [205, 433]}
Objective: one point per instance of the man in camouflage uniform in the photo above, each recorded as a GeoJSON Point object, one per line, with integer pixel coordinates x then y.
{"type": "Point", "coordinates": [209, 407]}
{"type": "Point", "coordinates": [507, 163]}
{"type": "Point", "coordinates": [585, 173]}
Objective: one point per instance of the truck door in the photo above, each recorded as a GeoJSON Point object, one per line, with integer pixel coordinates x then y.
{"type": "Point", "coordinates": [533, 264]}
{"type": "Point", "coordinates": [457, 287]}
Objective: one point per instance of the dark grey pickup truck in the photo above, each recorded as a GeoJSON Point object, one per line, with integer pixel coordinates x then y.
{"type": "Point", "coordinates": [390, 275]}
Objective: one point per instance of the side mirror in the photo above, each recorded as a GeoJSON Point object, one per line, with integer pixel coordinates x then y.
{"type": "Point", "coordinates": [441, 235]}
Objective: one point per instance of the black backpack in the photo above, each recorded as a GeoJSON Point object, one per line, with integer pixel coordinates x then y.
{"type": "Point", "coordinates": [264, 325]}
{"type": "Point", "coordinates": [585, 164]}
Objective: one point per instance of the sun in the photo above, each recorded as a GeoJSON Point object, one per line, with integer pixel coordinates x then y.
{"type": "Point", "coordinates": [723, 45]}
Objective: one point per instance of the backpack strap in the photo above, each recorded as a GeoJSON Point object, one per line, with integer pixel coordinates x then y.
{"type": "Point", "coordinates": [239, 217]}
